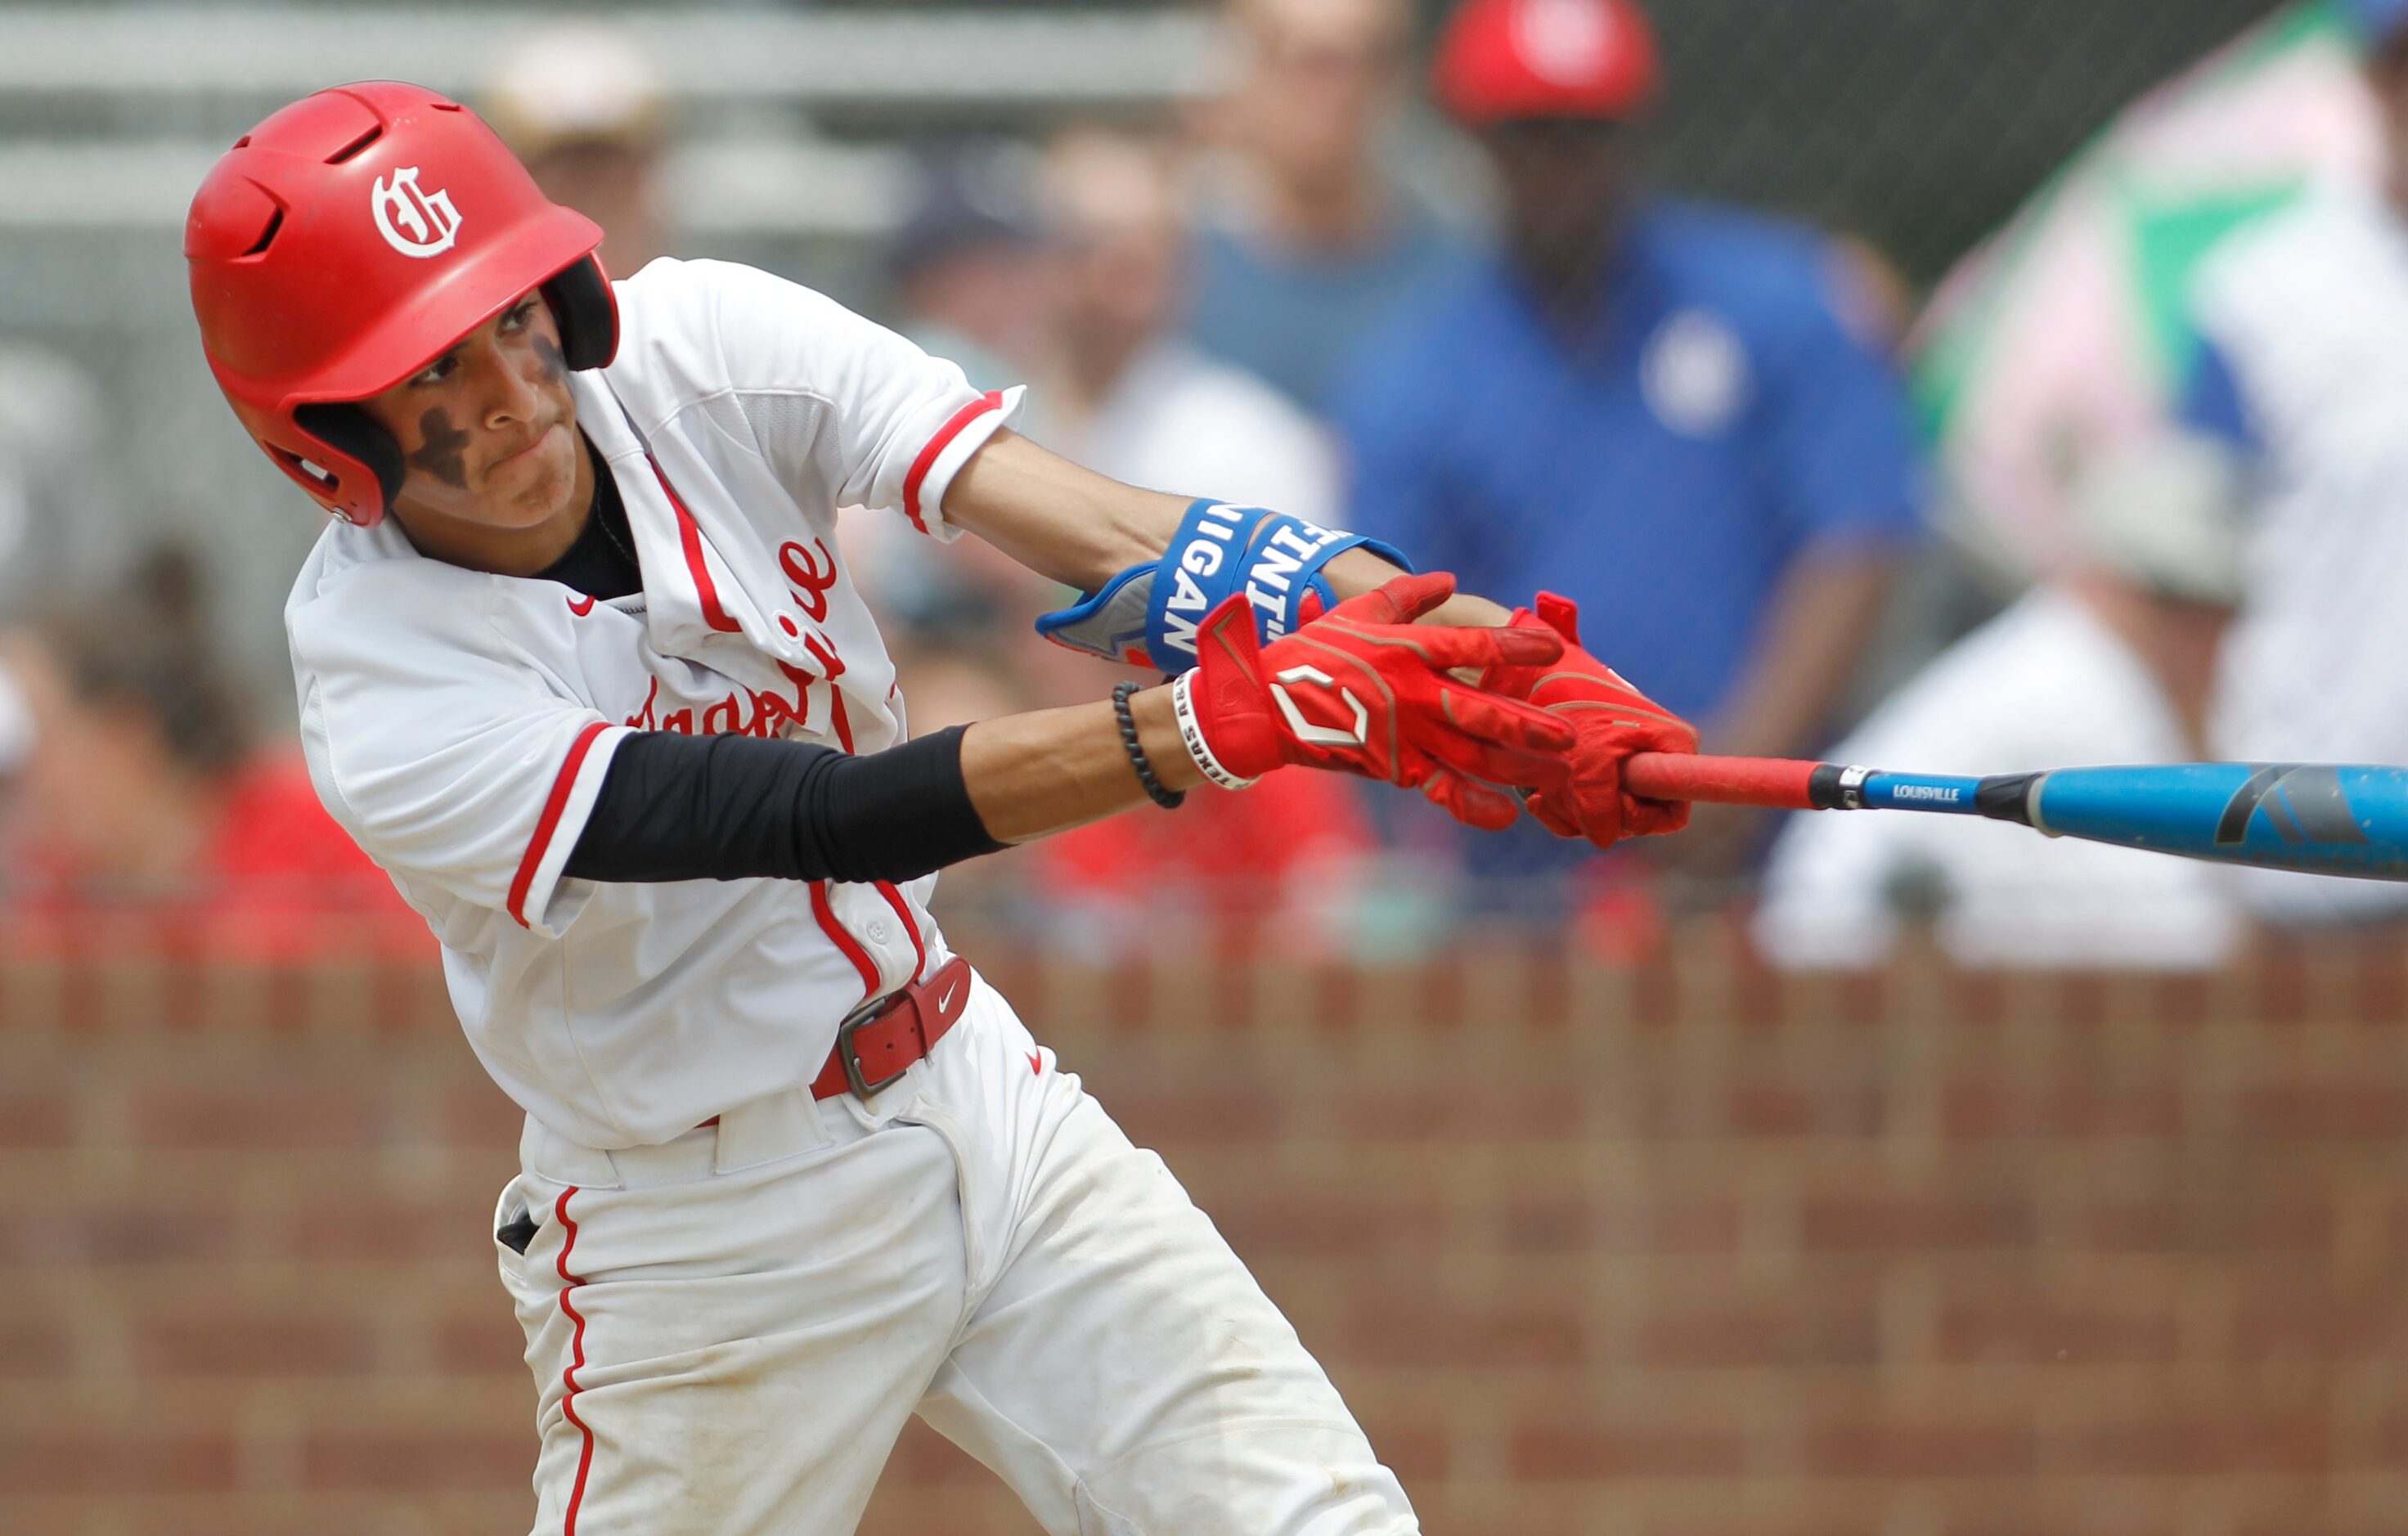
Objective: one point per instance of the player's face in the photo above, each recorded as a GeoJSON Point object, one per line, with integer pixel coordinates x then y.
{"type": "Point", "coordinates": [1319, 78]}
{"type": "Point", "coordinates": [489, 429]}
{"type": "Point", "coordinates": [1562, 178]}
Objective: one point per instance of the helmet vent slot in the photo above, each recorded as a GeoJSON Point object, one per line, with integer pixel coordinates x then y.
{"type": "Point", "coordinates": [275, 223]}
{"type": "Point", "coordinates": [355, 146]}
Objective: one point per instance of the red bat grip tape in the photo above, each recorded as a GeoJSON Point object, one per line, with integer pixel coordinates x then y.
{"type": "Point", "coordinates": [1778, 782]}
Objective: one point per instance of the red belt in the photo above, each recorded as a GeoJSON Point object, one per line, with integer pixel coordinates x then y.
{"type": "Point", "coordinates": [882, 1038]}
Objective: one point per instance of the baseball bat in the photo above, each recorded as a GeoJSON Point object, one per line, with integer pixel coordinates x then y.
{"type": "Point", "coordinates": [2319, 819]}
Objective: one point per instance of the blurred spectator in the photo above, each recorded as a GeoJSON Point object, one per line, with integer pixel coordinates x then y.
{"type": "Point", "coordinates": [2298, 353]}
{"type": "Point", "coordinates": [62, 526]}
{"type": "Point", "coordinates": [968, 278]}
{"type": "Point", "coordinates": [1281, 872]}
{"type": "Point", "coordinates": [1077, 279]}
{"type": "Point", "coordinates": [2051, 344]}
{"type": "Point", "coordinates": [2110, 662]}
{"type": "Point", "coordinates": [1129, 398]}
{"type": "Point", "coordinates": [966, 266]}
{"type": "Point", "coordinates": [1308, 242]}
{"type": "Point", "coordinates": [1655, 407]}
{"type": "Point", "coordinates": [142, 794]}
{"type": "Point", "coordinates": [584, 107]}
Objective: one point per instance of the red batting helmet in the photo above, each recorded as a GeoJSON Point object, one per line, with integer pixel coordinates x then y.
{"type": "Point", "coordinates": [1505, 59]}
{"type": "Point", "coordinates": [350, 241]}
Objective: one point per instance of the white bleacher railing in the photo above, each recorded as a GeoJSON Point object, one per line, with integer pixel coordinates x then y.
{"type": "Point", "coordinates": [156, 73]}
{"type": "Point", "coordinates": [991, 54]}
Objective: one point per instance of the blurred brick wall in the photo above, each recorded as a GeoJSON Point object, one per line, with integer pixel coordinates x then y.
{"type": "Point", "coordinates": [1683, 1250]}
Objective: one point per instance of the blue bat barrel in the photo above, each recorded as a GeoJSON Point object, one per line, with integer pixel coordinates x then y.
{"type": "Point", "coordinates": [2315, 818]}
{"type": "Point", "coordinates": [2318, 819]}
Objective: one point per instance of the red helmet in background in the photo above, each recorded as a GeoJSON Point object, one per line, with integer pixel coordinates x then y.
{"type": "Point", "coordinates": [1500, 59]}
{"type": "Point", "coordinates": [350, 241]}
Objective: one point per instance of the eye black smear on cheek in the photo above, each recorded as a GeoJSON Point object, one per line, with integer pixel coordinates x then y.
{"type": "Point", "coordinates": [441, 453]}
{"type": "Point", "coordinates": [555, 367]}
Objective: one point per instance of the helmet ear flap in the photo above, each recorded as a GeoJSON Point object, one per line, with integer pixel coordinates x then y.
{"type": "Point", "coordinates": [587, 313]}
{"type": "Point", "coordinates": [347, 429]}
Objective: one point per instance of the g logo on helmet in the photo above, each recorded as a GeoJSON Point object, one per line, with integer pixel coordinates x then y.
{"type": "Point", "coordinates": [414, 222]}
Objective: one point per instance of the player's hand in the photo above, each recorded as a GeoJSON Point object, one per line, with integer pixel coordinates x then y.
{"type": "Point", "coordinates": [1365, 690]}
{"type": "Point", "coordinates": [1613, 720]}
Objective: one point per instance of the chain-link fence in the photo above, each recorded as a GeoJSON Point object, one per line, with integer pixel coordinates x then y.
{"type": "Point", "coordinates": [1919, 125]}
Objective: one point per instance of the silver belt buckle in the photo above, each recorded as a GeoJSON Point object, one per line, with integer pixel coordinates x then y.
{"type": "Point", "coordinates": [868, 1013]}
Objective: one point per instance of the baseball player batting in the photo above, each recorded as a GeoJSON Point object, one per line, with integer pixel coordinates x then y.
{"type": "Point", "coordinates": [580, 664]}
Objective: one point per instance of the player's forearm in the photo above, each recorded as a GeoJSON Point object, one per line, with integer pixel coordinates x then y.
{"type": "Point", "coordinates": [1083, 528]}
{"type": "Point", "coordinates": [676, 807]}
{"type": "Point", "coordinates": [1059, 520]}
{"type": "Point", "coordinates": [1051, 769]}
{"type": "Point", "coordinates": [1821, 617]}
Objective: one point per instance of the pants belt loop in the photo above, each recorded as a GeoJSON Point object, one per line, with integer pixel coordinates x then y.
{"type": "Point", "coordinates": [549, 1155]}
{"type": "Point", "coordinates": [779, 1124]}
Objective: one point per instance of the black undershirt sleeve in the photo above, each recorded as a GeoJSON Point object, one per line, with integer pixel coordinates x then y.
{"type": "Point", "coordinates": [676, 807]}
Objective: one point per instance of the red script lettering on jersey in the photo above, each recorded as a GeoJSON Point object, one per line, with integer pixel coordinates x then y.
{"type": "Point", "coordinates": [810, 578]}
{"type": "Point", "coordinates": [753, 711]}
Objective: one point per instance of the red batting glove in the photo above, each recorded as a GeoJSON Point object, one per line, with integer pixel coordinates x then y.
{"type": "Point", "coordinates": [1613, 721]}
{"type": "Point", "coordinates": [1365, 690]}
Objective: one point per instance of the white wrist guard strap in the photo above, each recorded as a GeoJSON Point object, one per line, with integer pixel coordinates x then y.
{"type": "Point", "coordinates": [1191, 733]}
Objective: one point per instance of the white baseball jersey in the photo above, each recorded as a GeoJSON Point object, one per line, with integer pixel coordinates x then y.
{"type": "Point", "coordinates": [459, 723]}
{"type": "Point", "coordinates": [2044, 684]}
{"type": "Point", "coordinates": [2309, 314]}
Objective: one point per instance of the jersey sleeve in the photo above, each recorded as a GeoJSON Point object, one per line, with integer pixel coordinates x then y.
{"type": "Point", "coordinates": [458, 759]}
{"type": "Point", "coordinates": [842, 406]}
{"type": "Point", "coordinates": [1842, 436]}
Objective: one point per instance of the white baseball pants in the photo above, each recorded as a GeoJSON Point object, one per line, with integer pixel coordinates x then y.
{"type": "Point", "coordinates": [728, 1332]}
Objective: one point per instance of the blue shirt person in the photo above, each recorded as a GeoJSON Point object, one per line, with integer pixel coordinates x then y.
{"type": "Point", "coordinates": [1292, 314]}
{"type": "Point", "coordinates": [1665, 470]}
{"type": "Point", "coordinates": [1659, 410]}
{"type": "Point", "coordinates": [1307, 239]}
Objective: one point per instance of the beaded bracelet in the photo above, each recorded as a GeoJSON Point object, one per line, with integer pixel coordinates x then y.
{"type": "Point", "coordinates": [1167, 799]}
